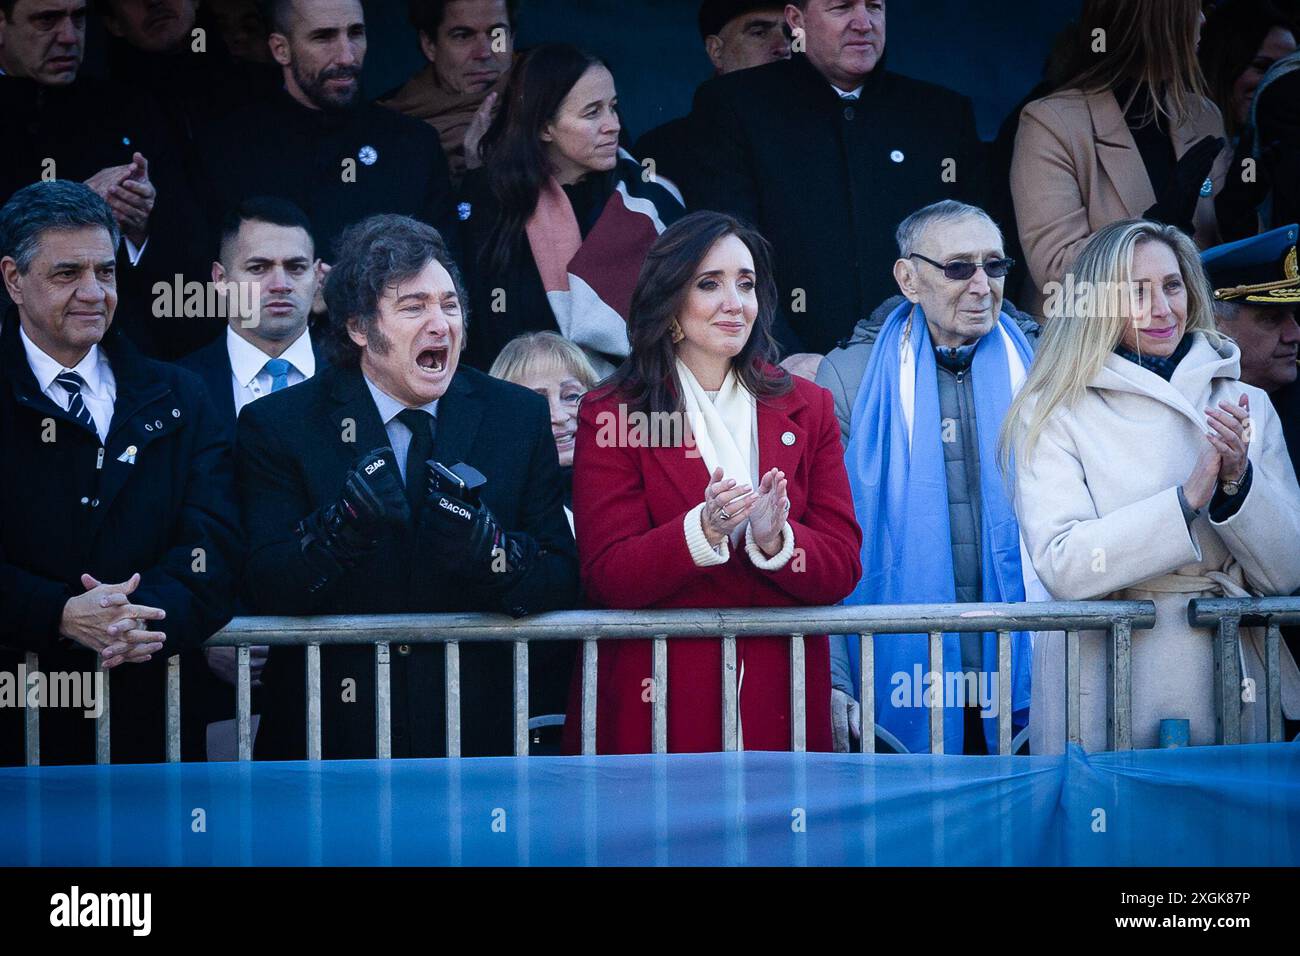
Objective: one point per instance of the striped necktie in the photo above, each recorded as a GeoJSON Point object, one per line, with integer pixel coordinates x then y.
{"type": "Point", "coordinates": [72, 384]}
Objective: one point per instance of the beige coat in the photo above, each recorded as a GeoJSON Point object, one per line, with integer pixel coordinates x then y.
{"type": "Point", "coordinates": [1097, 502]}
{"type": "Point", "coordinates": [1076, 169]}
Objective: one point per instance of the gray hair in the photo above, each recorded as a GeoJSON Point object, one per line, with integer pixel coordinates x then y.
{"type": "Point", "coordinates": [911, 229]}
{"type": "Point", "coordinates": [40, 207]}
{"type": "Point", "coordinates": [370, 256]}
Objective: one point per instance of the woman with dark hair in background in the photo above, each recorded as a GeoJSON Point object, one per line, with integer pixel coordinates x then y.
{"type": "Point", "coordinates": [1130, 134]}
{"type": "Point", "coordinates": [706, 476]}
{"type": "Point", "coordinates": [557, 222]}
{"type": "Point", "coordinates": [1240, 41]}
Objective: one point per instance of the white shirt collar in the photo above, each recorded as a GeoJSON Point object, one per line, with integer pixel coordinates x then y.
{"type": "Point", "coordinates": [247, 360]}
{"type": "Point", "coordinates": [853, 95]}
{"type": "Point", "coordinates": [389, 407]}
{"type": "Point", "coordinates": [47, 369]}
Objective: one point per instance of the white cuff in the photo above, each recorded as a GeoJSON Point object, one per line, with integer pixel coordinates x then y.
{"type": "Point", "coordinates": [778, 560]}
{"type": "Point", "coordinates": [702, 553]}
{"type": "Point", "coordinates": [132, 253]}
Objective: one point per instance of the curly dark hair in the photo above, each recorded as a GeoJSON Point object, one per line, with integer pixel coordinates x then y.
{"type": "Point", "coordinates": [512, 150]}
{"type": "Point", "coordinates": [647, 379]}
{"type": "Point", "coordinates": [371, 256]}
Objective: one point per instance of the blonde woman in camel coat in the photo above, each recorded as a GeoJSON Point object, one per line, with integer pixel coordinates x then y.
{"type": "Point", "coordinates": [1121, 487]}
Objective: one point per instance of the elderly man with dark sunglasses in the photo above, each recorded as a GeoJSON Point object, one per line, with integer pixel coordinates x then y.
{"type": "Point", "coordinates": [937, 524]}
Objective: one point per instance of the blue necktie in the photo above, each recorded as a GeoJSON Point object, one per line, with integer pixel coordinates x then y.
{"type": "Point", "coordinates": [72, 384]}
{"type": "Point", "coordinates": [279, 372]}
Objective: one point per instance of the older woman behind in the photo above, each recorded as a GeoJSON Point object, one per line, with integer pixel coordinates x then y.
{"type": "Point", "coordinates": [553, 367]}
{"type": "Point", "coordinates": [744, 501]}
{"type": "Point", "coordinates": [556, 369]}
{"type": "Point", "coordinates": [1146, 470]}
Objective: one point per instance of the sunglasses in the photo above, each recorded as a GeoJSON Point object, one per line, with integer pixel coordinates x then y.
{"type": "Point", "coordinates": [961, 271]}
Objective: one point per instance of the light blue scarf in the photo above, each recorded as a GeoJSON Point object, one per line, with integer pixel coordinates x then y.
{"type": "Point", "coordinates": [901, 499]}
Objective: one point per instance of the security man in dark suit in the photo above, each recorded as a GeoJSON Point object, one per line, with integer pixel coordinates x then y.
{"type": "Point", "coordinates": [118, 525]}
{"type": "Point", "coordinates": [270, 276]}
{"type": "Point", "coordinates": [336, 486]}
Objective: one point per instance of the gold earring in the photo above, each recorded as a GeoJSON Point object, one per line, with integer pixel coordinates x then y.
{"type": "Point", "coordinates": [675, 330]}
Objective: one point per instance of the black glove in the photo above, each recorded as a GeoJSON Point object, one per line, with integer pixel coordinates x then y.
{"type": "Point", "coordinates": [336, 537]}
{"type": "Point", "coordinates": [464, 538]}
{"type": "Point", "coordinates": [1176, 205]}
{"type": "Point", "coordinates": [1236, 208]}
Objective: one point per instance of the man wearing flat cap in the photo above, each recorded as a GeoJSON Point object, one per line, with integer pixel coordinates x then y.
{"type": "Point", "coordinates": [1256, 285]}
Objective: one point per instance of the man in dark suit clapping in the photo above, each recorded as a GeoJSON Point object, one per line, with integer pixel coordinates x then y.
{"type": "Point", "coordinates": [335, 485]}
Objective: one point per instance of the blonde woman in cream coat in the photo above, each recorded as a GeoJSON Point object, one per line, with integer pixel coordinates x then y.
{"type": "Point", "coordinates": [1129, 439]}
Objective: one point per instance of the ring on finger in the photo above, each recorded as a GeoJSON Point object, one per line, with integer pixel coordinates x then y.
{"type": "Point", "coordinates": [724, 514]}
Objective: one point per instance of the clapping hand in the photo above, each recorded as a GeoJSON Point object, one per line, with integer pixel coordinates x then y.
{"type": "Point", "coordinates": [726, 507]}
{"type": "Point", "coordinates": [1224, 456]}
{"type": "Point", "coordinates": [130, 194]}
{"type": "Point", "coordinates": [767, 518]}
{"type": "Point", "coordinates": [1230, 436]}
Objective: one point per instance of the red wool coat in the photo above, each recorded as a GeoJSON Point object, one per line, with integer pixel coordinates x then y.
{"type": "Point", "coordinates": [629, 507]}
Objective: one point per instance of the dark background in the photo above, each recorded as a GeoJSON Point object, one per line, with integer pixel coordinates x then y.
{"type": "Point", "coordinates": [989, 50]}
{"type": "Point", "coordinates": [992, 51]}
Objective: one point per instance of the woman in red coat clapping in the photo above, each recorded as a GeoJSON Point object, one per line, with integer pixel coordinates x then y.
{"type": "Point", "coordinates": [705, 476]}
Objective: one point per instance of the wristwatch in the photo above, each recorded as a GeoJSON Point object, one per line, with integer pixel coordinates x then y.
{"type": "Point", "coordinates": [1230, 488]}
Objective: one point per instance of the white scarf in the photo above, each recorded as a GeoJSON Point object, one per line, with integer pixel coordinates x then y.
{"type": "Point", "coordinates": [723, 427]}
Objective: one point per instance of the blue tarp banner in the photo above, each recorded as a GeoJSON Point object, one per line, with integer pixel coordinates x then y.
{"type": "Point", "coordinates": [1202, 806]}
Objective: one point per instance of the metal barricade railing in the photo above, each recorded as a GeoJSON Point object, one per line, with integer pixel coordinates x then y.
{"type": "Point", "coordinates": [1228, 616]}
{"type": "Point", "coordinates": [1117, 618]}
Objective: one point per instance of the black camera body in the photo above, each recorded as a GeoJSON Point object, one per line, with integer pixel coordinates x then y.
{"type": "Point", "coordinates": [461, 481]}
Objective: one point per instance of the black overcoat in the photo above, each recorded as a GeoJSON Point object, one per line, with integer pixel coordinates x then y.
{"type": "Point", "coordinates": [293, 451]}
{"type": "Point", "coordinates": [162, 503]}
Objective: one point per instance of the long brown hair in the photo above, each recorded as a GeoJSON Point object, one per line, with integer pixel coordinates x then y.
{"type": "Point", "coordinates": [647, 379]}
{"type": "Point", "coordinates": [1232, 36]}
{"type": "Point", "coordinates": [1150, 43]}
{"type": "Point", "coordinates": [512, 148]}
